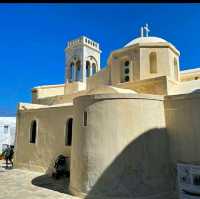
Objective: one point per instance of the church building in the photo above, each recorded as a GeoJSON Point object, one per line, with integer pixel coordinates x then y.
{"type": "Point", "coordinates": [125, 127]}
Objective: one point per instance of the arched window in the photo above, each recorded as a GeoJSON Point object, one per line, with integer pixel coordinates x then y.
{"type": "Point", "coordinates": [68, 132]}
{"type": "Point", "coordinates": [94, 68]}
{"type": "Point", "coordinates": [71, 71]}
{"type": "Point", "coordinates": [78, 71]}
{"type": "Point", "coordinates": [175, 69]}
{"type": "Point", "coordinates": [153, 62]}
{"type": "Point", "coordinates": [87, 68]}
{"type": "Point", "coordinates": [33, 131]}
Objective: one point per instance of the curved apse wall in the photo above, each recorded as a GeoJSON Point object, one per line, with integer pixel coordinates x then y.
{"type": "Point", "coordinates": [123, 150]}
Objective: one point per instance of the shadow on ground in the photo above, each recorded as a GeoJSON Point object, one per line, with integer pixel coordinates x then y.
{"type": "Point", "coordinates": [141, 169]}
{"type": "Point", "coordinates": [45, 181]}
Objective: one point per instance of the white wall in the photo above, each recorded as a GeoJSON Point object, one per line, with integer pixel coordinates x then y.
{"type": "Point", "coordinates": [7, 136]}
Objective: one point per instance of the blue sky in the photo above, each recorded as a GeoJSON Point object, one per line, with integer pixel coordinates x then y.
{"type": "Point", "coordinates": [33, 38]}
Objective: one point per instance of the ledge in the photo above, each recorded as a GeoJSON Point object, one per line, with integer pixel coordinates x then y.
{"type": "Point", "coordinates": [183, 96]}
{"type": "Point", "coordinates": [122, 96]}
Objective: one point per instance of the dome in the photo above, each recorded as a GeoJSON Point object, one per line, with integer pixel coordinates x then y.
{"type": "Point", "coordinates": [109, 90]}
{"type": "Point", "coordinates": [145, 40]}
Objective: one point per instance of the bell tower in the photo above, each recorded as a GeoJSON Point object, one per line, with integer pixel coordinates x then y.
{"type": "Point", "coordinates": [82, 59]}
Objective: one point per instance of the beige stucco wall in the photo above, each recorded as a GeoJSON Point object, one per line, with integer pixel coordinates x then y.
{"type": "Point", "coordinates": [74, 87]}
{"type": "Point", "coordinates": [47, 91]}
{"type": "Point", "coordinates": [99, 79]}
{"type": "Point", "coordinates": [165, 62]}
{"type": "Point", "coordinates": [191, 74]}
{"type": "Point", "coordinates": [60, 99]}
{"type": "Point", "coordinates": [172, 73]}
{"type": "Point", "coordinates": [182, 120]}
{"type": "Point", "coordinates": [123, 150]}
{"type": "Point", "coordinates": [184, 87]}
{"type": "Point", "coordinates": [116, 63]}
{"type": "Point", "coordinates": [138, 55]}
{"type": "Point", "coordinates": [50, 138]}
{"type": "Point", "coordinates": [157, 86]}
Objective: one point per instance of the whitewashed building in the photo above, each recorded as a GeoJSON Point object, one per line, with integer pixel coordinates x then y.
{"type": "Point", "coordinates": [7, 131]}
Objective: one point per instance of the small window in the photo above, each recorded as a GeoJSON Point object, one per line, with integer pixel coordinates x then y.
{"type": "Point", "coordinates": [33, 131]}
{"type": "Point", "coordinates": [5, 129]}
{"type": "Point", "coordinates": [196, 78]}
{"type": "Point", "coordinates": [126, 70]}
{"type": "Point", "coordinates": [68, 132]}
{"type": "Point", "coordinates": [126, 63]}
{"type": "Point", "coordinates": [196, 180]}
{"type": "Point", "coordinates": [85, 118]}
{"type": "Point", "coordinates": [175, 69]}
{"type": "Point", "coordinates": [126, 78]}
{"type": "Point", "coordinates": [153, 62]}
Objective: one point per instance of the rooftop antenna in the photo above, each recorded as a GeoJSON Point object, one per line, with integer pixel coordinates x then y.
{"type": "Point", "coordinates": [146, 28]}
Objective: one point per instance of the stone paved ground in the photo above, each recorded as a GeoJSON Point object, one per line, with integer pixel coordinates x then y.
{"type": "Point", "coordinates": [23, 184]}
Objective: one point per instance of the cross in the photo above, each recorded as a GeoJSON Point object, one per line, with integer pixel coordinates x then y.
{"type": "Point", "coordinates": [142, 32]}
{"type": "Point", "coordinates": [146, 28]}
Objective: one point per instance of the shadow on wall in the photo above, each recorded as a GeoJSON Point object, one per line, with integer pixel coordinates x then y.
{"type": "Point", "coordinates": [142, 169]}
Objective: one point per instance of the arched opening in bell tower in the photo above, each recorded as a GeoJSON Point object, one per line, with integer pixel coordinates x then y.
{"type": "Point", "coordinates": [94, 68]}
{"type": "Point", "coordinates": [78, 71]}
{"type": "Point", "coordinates": [87, 68]}
{"type": "Point", "coordinates": [71, 78]}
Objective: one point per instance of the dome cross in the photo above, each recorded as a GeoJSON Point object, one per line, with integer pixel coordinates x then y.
{"type": "Point", "coordinates": [145, 29]}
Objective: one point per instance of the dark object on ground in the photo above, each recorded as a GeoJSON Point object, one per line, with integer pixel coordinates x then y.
{"type": "Point", "coordinates": [8, 155]}
{"type": "Point", "coordinates": [61, 167]}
